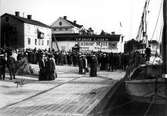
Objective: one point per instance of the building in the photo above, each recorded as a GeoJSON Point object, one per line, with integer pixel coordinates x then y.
{"type": "Point", "coordinates": [66, 34]}
{"type": "Point", "coordinates": [105, 43]}
{"type": "Point", "coordinates": [63, 25]}
{"type": "Point", "coordinates": [20, 32]}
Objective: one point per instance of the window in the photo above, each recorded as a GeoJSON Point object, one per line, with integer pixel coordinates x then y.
{"type": "Point", "coordinates": [42, 42]}
{"type": "Point", "coordinates": [35, 41]}
{"type": "Point", "coordinates": [60, 23]}
{"type": "Point", "coordinates": [29, 41]}
{"type": "Point", "coordinates": [7, 19]}
{"type": "Point", "coordinates": [39, 42]}
{"type": "Point", "coordinates": [47, 42]}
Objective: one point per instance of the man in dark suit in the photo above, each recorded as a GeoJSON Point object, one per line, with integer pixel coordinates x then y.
{"type": "Point", "coordinates": [80, 64]}
{"type": "Point", "coordinates": [148, 53]}
{"type": "Point", "coordinates": [11, 64]}
{"type": "Point", "coordinates": [93, 66]}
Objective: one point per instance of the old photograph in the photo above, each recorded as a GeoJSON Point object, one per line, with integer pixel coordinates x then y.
{"type": "Point", "coordinates": [83, 58]}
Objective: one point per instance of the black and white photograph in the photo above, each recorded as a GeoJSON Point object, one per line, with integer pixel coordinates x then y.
{"type": "Point", "coordinates": [83, 58]}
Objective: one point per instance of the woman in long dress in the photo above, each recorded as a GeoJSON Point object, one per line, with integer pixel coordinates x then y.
{"type": "Point", "coordinates": [50, 68]}
{"type": "Point", "coordinates": [42, 67]}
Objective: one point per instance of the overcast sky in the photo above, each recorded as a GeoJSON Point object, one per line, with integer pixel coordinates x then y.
{"type": "Point", "coordinates": [98, 14]}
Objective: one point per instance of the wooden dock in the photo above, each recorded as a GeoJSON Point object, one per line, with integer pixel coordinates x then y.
{"type": "Point", "coordinates": [78, 97]}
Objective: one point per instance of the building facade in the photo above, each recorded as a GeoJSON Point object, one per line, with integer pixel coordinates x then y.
{"type": "Point", "coordinates": [104, 43]}
{"type": "Point", "coordinates": [63, 25]}
{"type": "Point", "coordinates": [66, 34]}
{"type": "Point", "coordinates": [19, 32]}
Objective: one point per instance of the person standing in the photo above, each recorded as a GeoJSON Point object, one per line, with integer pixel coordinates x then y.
{"type": "Point", "coordinates": [93, 66]}
{"type": "Point", "coordinates": [85, 65]}
{"type": "Point", "coordinates": [11, 64]}
{"type": "Point", "coordinates": [2, 65]}
{"type": "Point", "coordinates": [148, 53]}
{"type": "Point", "coordinates": [50, 68]}
{"type": "Point", "coordinates": [42, 69]}
{"type": "Point", "coordinates": [80, 64]}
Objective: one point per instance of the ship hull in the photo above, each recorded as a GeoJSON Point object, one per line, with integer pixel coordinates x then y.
{"type": "Point", "coordinates": [148, 90]}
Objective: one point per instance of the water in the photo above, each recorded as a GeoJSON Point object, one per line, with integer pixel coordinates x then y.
{"type": "Point", "coordinates": [121, 105]}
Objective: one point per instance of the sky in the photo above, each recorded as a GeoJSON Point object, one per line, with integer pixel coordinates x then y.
{"type": "Point", "coordinates": [121, 16]}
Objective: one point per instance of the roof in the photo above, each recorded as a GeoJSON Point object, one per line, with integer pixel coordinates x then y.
{"type": "Point", "coordinates": [29, 21]}
{"type": "Point", "coordinates": [74, 24]}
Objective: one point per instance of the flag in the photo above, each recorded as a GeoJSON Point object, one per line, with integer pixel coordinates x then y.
{"type": "Point", "coordinates": [120, 24]}
{"type": "Point", "coordinates": [40, 34]}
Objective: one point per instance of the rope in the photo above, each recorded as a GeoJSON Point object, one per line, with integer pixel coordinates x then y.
{"type": "Point", "coordinates": [159, 42]}
{"type": "Point", "coordinates": [149, 107]}
{"type": "Point", "coordinates": [157, 19]}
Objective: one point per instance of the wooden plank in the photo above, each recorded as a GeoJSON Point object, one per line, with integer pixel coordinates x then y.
{"type": "Point", "coordinates": [78, 97]}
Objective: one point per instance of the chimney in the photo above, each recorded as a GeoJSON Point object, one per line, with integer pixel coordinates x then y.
{"type": "Point", "coordinates": [17, 13]}
{"type": "Point", "coordinates": [29, 17]}
{"type": "Point", "coordinates": [74, 21]}
{"type": "Point", "coordinates": [65, 17]}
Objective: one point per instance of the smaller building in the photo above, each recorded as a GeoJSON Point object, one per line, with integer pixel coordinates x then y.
{"type": "Point", "coordinates": [20, 32]}
{"type": "Point", "coordinates": [63, 25]}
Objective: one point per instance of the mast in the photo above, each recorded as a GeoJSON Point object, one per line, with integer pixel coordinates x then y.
{"type": "Point", "coordinates": [164, 41]}
{"type": "Point", "coordinates": [164, 49]}
{"type": "Point", "coordinates": [142, 31]}
{"type": "Point", "coordinates": [145, 37]}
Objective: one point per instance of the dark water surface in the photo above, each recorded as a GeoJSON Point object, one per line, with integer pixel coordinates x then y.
{"type": "Point", "coordinates": [121, 105]}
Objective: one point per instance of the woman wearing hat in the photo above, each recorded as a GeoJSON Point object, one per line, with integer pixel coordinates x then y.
{"type": "Point", "coordinates": [51, 73]}
{"type": "Point", "coordinates": [42, 67]}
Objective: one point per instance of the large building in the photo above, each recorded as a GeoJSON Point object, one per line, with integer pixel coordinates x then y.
{"type": "Point", "coordinates": [20, 32]}
{"type": "Point", "coordinates": [105, 43]}
{"type": "Point", "coordinates": [66, 34]}
{"type": "Point", "coordinates": [63, 27]}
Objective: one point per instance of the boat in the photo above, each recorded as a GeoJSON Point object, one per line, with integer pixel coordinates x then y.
{"type": "Point", "coordinates": [147, 83]}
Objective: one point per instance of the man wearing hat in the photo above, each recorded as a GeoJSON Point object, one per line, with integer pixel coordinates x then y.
{"type": "Point", "coordinates": [93, 66]}
{"type": "Point", "coordinates": [11, 64]}
{"type": "Point", "coordinates": [80, 64]}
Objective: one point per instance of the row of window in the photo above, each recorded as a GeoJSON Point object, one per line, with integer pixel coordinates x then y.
{"type": "Point", "coordinates": [40, 41]}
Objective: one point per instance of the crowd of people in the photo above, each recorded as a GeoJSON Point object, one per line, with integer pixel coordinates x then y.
{"type": "Point", "coordinates": [48, 59]}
